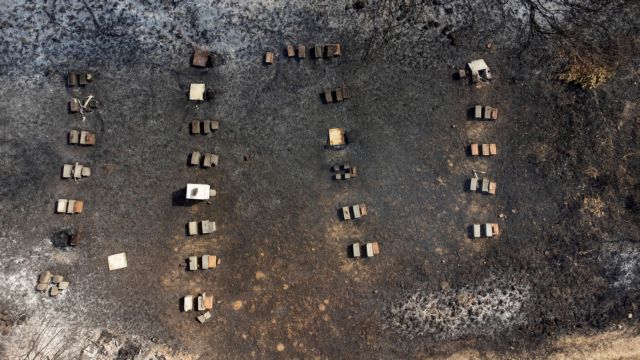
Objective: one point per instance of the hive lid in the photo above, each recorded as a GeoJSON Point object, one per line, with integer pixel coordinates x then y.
{"type": "Point", "coordinates": [117, 261]}
{"type": "Point", "coordinates": [336, 136]}
{"type": "Point", "coordinates": [196, 92]}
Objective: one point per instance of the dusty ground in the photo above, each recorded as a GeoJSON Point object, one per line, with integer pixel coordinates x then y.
{"type": "Point", "coordinates": [561, 279]}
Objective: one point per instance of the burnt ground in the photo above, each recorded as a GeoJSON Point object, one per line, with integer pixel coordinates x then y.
{"type": "Point", "coordinates": [568, 201]}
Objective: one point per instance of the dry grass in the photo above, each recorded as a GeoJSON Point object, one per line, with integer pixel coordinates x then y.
{"type": "Point", "coordinates": [591, 65]}
{"type": "Point", "coordinates": [592, 172]}
{"type": "Point", "coordinates": [586, 74]}
{"type": "Point", "coordinates": [593, 206]}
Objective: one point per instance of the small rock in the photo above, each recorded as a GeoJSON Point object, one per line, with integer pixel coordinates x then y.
{"type": "Point", "coordinates": [63, 285]}
{"type": "Point", "coordinates": [42, 287]}
{"type": "Point", "coordinates": [280, 347]}
{"type": "Point", "coordinates": [57, 279]}
{"type": "Point", "coordinates": [630, 316]}
{"type": "Point", "coordinates": [453, 126]}
{"type": "Point", "coordinates": [54, 291]}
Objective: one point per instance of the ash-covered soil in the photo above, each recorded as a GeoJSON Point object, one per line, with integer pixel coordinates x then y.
{"type": "Point", "coordinates": [568, 198]}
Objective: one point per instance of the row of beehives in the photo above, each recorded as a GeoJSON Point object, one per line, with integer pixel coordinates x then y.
{"type": "Point", "coordinates": [318, 51]}
{"type": "Point", "coordinates": [338, 139]}
{"type": "Point", "coordinates": [77, 137]}
{"type": "Point", "coordinates": [203, 58]}
{"type": "Point", "coordinates": [46, 282]}
{"type": "Point", "coordinates": [201, 192]}
{"type": "Point", "coordinates": [479, 71]}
